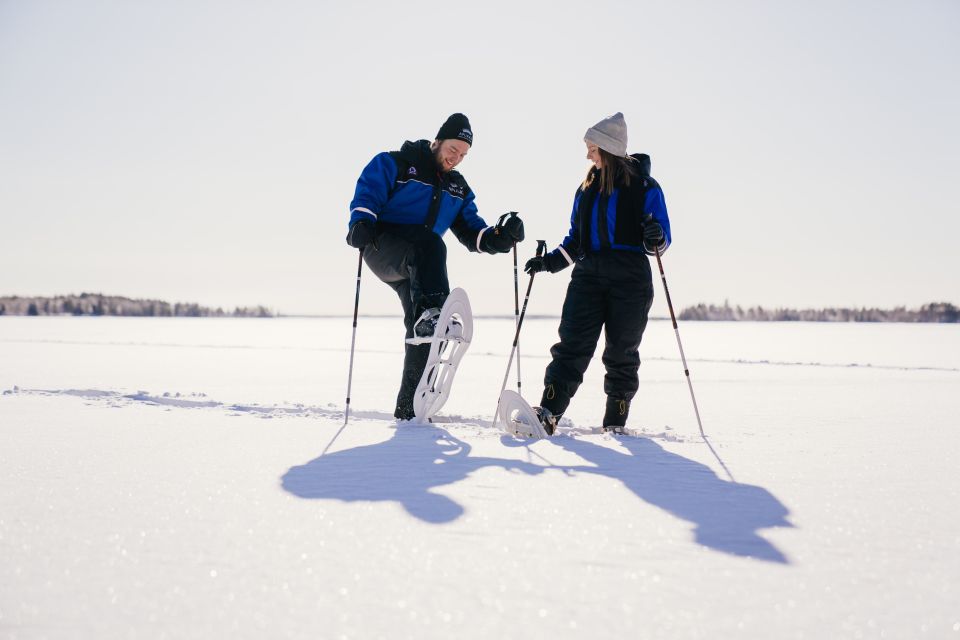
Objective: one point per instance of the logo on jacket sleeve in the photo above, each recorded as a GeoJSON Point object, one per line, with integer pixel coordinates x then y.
{"type": "Point", "coordinates": [455, 189]}
{"type": "Point", "coordinates": [412, 171]}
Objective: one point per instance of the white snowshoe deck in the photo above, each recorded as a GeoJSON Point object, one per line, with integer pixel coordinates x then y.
{"type": "Point", "coordinates": [518, 418]}
{"type": "Point", "coordinates": [446, 351]}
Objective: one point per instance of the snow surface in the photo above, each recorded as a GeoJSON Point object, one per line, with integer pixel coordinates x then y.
{"type": "Point", "coordinates": [163, 478]}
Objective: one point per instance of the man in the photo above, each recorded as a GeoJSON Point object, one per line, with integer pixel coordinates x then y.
{"type": "Point", "coordinates": [404, 202]}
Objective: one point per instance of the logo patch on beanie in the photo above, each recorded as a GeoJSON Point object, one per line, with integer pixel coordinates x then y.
{"type": "Point", "coordinates": [466, 135]}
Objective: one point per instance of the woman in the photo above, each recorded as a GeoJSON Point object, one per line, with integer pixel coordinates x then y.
{"type": "Point", "coordinates": [619, 217]}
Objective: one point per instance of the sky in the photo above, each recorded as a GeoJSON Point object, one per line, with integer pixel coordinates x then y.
{"type": "Point", "coordinates": [208, 151]}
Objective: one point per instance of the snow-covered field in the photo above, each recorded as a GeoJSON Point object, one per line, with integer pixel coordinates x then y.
{"type": "Point", "coordinates": [164, 478]}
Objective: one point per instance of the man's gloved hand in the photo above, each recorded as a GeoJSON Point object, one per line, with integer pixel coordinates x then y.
{"type": "Point", "coordinates": [549, 262]}
{"type": "Point", "coordinates": [362, 233]}
{"type": "Point", "coordinates": [501, 238]}
{"type": "Point", "coordinates": [511, 226]}
{"type": "Point", "coordinates": [652, 234]}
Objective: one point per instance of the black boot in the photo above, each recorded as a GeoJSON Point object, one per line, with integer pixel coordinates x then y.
{"type": "Point", "coordinates": [426, 324]}
{"type": "Point", "coordinates": [414, 361]}
{"type": "Point", "coordinates": [615, 416]}
{"type": "Point", "coordinates": [547, 419]}
{"type": "Point", "coordinates": [404, 410]}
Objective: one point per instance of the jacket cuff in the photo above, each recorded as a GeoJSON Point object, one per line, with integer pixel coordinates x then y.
{"type": "Point", "coordinates": [480, 240]}
{"type": "Point", "coordinates": [651, 251]}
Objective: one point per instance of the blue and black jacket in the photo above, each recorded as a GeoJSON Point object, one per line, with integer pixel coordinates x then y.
{"type": "Point", "coordinates": [406, 187]}
{"type": "Point", "coordinates": [602, 223]}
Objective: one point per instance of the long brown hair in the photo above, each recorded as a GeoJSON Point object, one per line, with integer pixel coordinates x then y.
{"type": "Point", "coordinates": [613, 170]}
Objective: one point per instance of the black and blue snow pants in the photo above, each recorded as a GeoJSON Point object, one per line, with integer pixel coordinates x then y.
{"type": "Point", "coordinates": [612, 291]}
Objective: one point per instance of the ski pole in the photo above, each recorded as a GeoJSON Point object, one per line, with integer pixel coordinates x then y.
{"type": "Point", "coordinates": [353, 340]}
{"type": "Point", "coordinates": [683, 359]}
{"type": "Point", "coordinates": [676, 330]}
{"type": "Point", "coordinates": [516, 310]}
{"type": "Point", "coordinates": [541, 247]}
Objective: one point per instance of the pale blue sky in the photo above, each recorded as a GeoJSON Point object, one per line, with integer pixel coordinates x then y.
{"type": "Point", "coordinates": [207, 151]}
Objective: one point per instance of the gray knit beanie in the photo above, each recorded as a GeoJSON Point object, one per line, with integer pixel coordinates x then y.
{"type": "Point", "coordinates": [610, 134]}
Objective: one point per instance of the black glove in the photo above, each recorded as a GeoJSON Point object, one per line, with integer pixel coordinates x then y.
{"type": "Point", "coordinates": [652, 234]}
{"type": "Point", "coordinates": [512, 226]}
{"type": "Point", "coordinates": [550, 262]}
{"type": "Point", "coordinates": [536, 265]}
{"type": "Point", "coordinates": [501, 238]}
{"type": "Point", "coordinates": [362, 233]}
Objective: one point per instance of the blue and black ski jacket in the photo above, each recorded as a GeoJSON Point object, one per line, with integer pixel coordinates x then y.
{"type": "Point", "coordinates": [406, 187]}
{"type": "Point", "coordinates": [600, 223]}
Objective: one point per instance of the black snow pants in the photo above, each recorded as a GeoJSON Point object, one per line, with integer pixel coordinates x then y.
{"type": "Point", "coordinates": [612, 290]}
{"type": "Point", "coordinates": [413, 261]}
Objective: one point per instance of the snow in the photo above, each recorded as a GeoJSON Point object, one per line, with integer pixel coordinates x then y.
{"type": "Point", "coordinates": [163, 478]}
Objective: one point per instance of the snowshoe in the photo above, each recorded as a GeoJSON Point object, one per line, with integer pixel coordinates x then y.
{"type": "Point", "coordinates": [449, 340]}
{"type": "Point", "coordinates": [519, 418]}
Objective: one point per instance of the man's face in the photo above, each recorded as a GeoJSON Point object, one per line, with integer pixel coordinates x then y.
{"type": "Point", "coordinates": [450, 153]}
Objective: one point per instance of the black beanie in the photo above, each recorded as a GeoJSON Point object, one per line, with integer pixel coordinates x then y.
{"type": "Point", "coordinates": [457, 127]}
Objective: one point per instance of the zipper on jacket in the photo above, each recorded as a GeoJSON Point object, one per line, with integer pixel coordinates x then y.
{"type": "Point", "coordinates": [603, 232]}
{"type": "Point", "coordinates": [434, 211]}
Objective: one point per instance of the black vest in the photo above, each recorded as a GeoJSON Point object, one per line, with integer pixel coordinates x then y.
{"type": "Point", "coordinates": [627, 219]}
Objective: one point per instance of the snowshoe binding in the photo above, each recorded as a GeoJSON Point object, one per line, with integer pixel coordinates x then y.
{"type": "Point", "coordinates": [426, 327]}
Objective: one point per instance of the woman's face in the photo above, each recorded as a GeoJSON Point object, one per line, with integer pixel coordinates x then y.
{"type": "Point", "coordinates": [593, 155]}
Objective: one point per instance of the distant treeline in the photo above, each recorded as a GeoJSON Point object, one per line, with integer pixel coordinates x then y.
{"type": "Point", "coordinates": [933, 312]}
{"type": "Point", "coordinates": [96, 304]}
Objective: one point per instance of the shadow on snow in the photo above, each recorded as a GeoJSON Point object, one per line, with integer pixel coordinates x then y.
{"type": "Point", "coordinates": [726, 516]}
{"type": "Point", "coordinates": [403, 469]}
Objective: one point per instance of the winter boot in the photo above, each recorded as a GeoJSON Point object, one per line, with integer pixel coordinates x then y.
{"type": "Point", "coordinates": [553, 403]}
{"type": "Point", "coordinates": [404, 410]}
{"type": "Point", "coordinates": [414, 361]}
{"type": "Point", "coordinates": [427, 323]}
{"type": "Point", "coordinates": [547, 419]}
{"type": "Point", "coordinates": [615, 416]}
